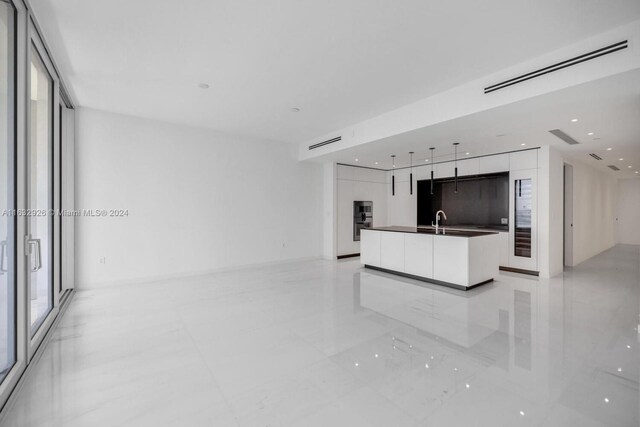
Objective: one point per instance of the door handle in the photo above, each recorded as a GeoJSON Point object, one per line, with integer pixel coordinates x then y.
{"type": "Point", "coordinates": [36, 242]}
{"type": "Point", "coordinates": [3, 250]}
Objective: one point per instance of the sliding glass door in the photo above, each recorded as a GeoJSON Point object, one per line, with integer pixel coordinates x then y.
{"type": "Point", "coordinates": [30, 181]}
{"type": "Point", "coordinates": [40, 191]}
{"type": "Point", "coordinates": [42, 136]}
{"type": "Point", "coordinates": [8, 302]}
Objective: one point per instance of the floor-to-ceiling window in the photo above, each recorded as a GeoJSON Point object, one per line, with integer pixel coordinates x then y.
{"type": "Point", "coordinates": [40, 189]}
{"type": "Point", "coordinates": [31, 148]}
{"type": "Point", "coordinates": [7, 190]}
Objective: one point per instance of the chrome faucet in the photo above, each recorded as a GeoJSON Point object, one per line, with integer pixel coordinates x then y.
{"type": "Point", "coordinates": [437, 224]}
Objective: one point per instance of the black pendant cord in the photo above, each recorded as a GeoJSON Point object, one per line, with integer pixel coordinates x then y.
{"type": "Point", "coordinates": [455, 160]}
{"type": "Point", "coordinates": [411, 172]}
{"type": "Point", "coordinates": [431, 149]}
{"type": "Point", "coordinates": [393, 176]}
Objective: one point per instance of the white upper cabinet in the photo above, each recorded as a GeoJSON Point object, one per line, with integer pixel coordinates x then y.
{"type": "Point", "coordinates": [468, 167]}
{"type": "Point", "coordinates": [444, 170]}
{"type": "Point", "coordinates": [523, 160]}
{"type": "Point", "coordinates": [493, 164]}
{"type": "Point", "coordinates": [345, 172]}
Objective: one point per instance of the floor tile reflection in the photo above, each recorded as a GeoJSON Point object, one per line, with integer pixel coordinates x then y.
{"type": "Point", "coordinates": [328, 343]}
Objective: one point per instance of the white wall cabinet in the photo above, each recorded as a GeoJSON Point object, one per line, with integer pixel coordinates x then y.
{"type": "Point", "coordinates": [444, 170]}
{"type": "Point", "coordinates": [493, 164]}
{"type": "Point", "coordinates": [468, 167]}
{"type": "Point", "coordinates": [521, 160]}
{"type": "Point", "coordinates": [358, 184]}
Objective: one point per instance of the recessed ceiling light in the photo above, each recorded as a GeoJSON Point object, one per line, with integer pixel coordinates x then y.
{"type": "Point", "coordinates": [636, 171]}
{"type": "Point", "coordinates": [357, 160]}
{"type": "Point", "coordinates": [590, 133]}
{"type": "Point", "coordinates": [295, 110]}
{"type": "Point", "coordinates": [466, 154]}
{"type": "Point", "coordinates": [426, 160]}
{"type": "Point", "coordinates": [203, 86]}
{"type": "Point", "coordinates": [574, 120]}
{"type": "Point", "coordinates": [376, 163]}
{"type": "Point", "coordinates": [522, 413]}
{"type": "Point", "coordinates": [609, 149]}
{"type": "Point", "coordinates": [619, 369]}
{"type": "Point", "coordinates": [621, 159]}
{"type": "Point", "coordinates": [523, 144]}
{"type": "Point", "coordinates": [467, 385]}
{"type": "Point", "coordinates": [606, 399]}
{"type": "Point", "coordinates": [629, 167]}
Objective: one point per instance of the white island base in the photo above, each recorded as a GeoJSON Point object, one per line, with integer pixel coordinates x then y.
{"type": "Point", "coordinates": [458, 259]}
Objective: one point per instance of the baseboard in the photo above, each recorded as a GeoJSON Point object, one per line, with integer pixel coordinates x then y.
{"type": "Point", "coordinates": [81, 286]}
{"type": "Point", "coordinates": [520, 271]}
{"type": "Point", "coordinates": [348, 256]}
{"type": "Point", "coordinates": [426, 279]}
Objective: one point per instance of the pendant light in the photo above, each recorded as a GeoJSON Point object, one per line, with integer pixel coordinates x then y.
{"type": "Point", "coordinates": [455, 162]}
{"type": "Point", "coordinates": [410, 172]}
{"type": "Point", "coordinates": [393, 175]}
{"type": "Point", "coordinates": [431, 149]}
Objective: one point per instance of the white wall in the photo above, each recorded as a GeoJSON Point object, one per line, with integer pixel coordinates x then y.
{"type": "Point", "coordinates": [550, 207]}
{"type": "Point", "coordinates": [198, 200]}
{"type": "Point", "coordinates": [364, 185]}
{"type": "Point", "coordinates": [628, 211]}
{"type": "Point", "coordinates": [594, 206]}
{"type": "Point", "coordinates": [329, 226]}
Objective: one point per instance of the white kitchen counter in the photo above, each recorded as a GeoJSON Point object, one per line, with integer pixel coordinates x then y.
{"type": "Point", "coordinates": [458, 259]}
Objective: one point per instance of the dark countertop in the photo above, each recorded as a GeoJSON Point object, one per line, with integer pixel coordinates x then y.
{"type": "Point", "coordinates": [449, 232]}
{"type": "Point", "coordinates": [499, 228]}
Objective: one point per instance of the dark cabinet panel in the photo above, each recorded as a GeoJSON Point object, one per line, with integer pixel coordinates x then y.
{"type": "Point", "coordinates": [481, 201]}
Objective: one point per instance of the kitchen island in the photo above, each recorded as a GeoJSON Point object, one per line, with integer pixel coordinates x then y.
{"type": "Point", "coordinates": [461, 259]}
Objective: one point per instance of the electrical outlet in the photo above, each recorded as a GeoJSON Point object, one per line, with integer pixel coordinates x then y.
{"type": "Point", "coordinates": [504, 221]}
{"type": "Point", "coordinates": [103, 260]}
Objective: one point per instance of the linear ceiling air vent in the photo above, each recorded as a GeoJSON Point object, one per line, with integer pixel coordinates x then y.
{"type": "Point", "coordinates": [563, 136]}
{"type": "Point", "coordinates": [327, 142]}
{"type": "Point", "coordinates": [595, 156]}
{"type": "Point", "coordinates": [558, 66]}
{"type": "Point", "coordinates": [615, 168]}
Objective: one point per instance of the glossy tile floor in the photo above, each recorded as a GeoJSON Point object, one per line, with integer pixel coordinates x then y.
{"type": "Point", "coordinates": [321, 343]}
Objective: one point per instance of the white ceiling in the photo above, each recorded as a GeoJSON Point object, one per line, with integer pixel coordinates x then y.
{"type": "Point", "coordinates": [610, 108]}
{"type": "Point", "coordinates": [339, 61]}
